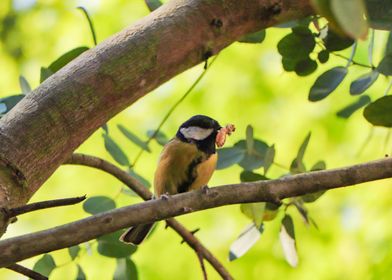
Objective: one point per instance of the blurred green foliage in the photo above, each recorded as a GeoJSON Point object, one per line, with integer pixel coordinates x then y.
{"type": "Point", "coordinates": [246, 85]}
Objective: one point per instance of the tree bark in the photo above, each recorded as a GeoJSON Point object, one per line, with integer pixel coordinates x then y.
{"type": "Point", "coordinates": [51, 122]}
{"type": "Point", "coordinates": [25, 246]}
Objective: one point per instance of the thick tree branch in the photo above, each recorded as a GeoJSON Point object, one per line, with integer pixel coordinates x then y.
{"type": "Point", "coordinates": [25, 246]}
{"type": "Point", "coordinates": [45, 128]}
{"type": "Point", "coordinates": [144, 193]}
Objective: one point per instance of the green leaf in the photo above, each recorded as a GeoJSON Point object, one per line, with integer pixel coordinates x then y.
{"type": "Point", "coordinates": [302, 148]}
{"type": "Point", "coordinates": [269, 158]}
{"type": "Point", "coordinates": [115, 151]}
{"type": "Point", "coordinates": [379, 112]}
{"type": "Point", "coordinates": [320, 165]}
{"type": "Point", "coordinates": [327, 83]}
{"type": "Point", "coordinates": [295, 46]}
{"type": "Point", "coordinates": [312, 197]}
{"type": "Point", "coordinates": [297, 165]}
{"type": "Point", "coordinates": [323, 56]}
{"type": "Point", "coordinates": [110, 246]}
{"type": "Point", "coordinates": [302, 211]}
{"type": "Point", "coordinates": [90, 23]}
{"type": "Point", "coordinates": [254, 211]}
{"type": "Point", "coordinates": [80, 275]}
{"type": "Point", "coordinates": [161, 138]}
{"type": "Point", "coordinates": [255, 159]}
{"type": "Point", "coordinates": [347, 111]}
{"type": "Point", "coordinates": [302, 30]}
{"type": "Point", "coordinates": [249, 176]}
{"type": "Point", "coordinates": [289, 63]}
{"type": "Point", "coordinates": [385, 66]}
{"type": "Point", "coordinates": [9, 102]}
{"type": "Point", "coordinates": [305, 67]}
{"type": "Point", "coordinates": [138, 177]}
{"type": "Point", "coordinates": [45, 265]}
{"type": "Point", "coordinates": [287, 240]}
{"type": "Point", "coordinates": [153, 4]}
{"type": "Point", "coordinates": [388, 46]}
{"type": "Point", "coordinates": [380, 12]}
{"type": "Point", "coordinates": [98, 204]}
{"type": "Point", "coordinates": [335, 42]}
{"type": "Point", "coordinates": [351, 16]}
{"type": "Point", "coordinates": [125, 270]}
{"type": "Point", "coordinates": [45, 73]}
{"type": "Point", "coordinates": [24, 85]}
{"type": "Point", "coordinates": [74, 251]}
{"type": "Point", "coordinates": [66, 58]}
{"type": "Point", "coordinates": [245, 241]}
{"type": "Point", "coordinates": [363, 82]}
{"type": "Point", "coordinates": [132, 137]}
{"type": "Point", "coordinates": [229, 156]}
{"type": "Point", "coordinates": [253, 38]}
{"type": "Point", "coordinates": [271, 211]}
{"type": "Point", "coordinates": [61, 62]}
{"type": "Point", "coordinates": [249, 139]}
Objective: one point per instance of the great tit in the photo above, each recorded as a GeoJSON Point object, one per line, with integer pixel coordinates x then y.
{"type": "Point", "coordinates": [186, 163]}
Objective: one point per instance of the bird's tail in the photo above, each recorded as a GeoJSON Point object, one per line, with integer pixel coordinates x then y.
{"type": "Point", "coordinates": [135, 235]}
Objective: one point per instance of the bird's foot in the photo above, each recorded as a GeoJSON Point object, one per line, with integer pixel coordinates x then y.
{"type": "Point", "coordinates": [205, 189]}
{"type": "Point", "coordinates": [165, 196]}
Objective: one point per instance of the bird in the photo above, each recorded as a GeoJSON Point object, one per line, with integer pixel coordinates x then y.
{"type": "Point", "coordinates": [186, 163]}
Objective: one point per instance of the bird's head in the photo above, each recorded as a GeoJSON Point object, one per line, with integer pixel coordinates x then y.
{"type": "Point", "coordinates": [200, 130]}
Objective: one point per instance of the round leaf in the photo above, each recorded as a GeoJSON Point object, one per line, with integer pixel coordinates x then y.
{"type": "Point", "coordinates": [245, 241]}
{"type": "Point", "coordinates": [253, 38]}
{"type": "Point", "coordinates": [295, 46]}
{"type": "Point", "coordinates": [327, 83]}
{"type": "Point", "coordinates": [351, 16]}
{"type": "Point", "coordinates": [110, 246]}
{"type": "Point", "coordinates": [347, 111]}
{"type": "Point", "coordinates": [305, 67]}
{"type": "Point", "coordinates": [363, 83]}
{"type": "Point", "coordinates": [254, 159]}
{"type": "Point", "coordinates": [98, 204]}
{"type": "Point", "coordinates": [45, 265]}
{"type": "Point", "coordinates": [379, 112]}
{"type": "Point", "coordinates": [323, 56]}
{"type": "Point", "coordinates": [115, 151]}
{"type": "Point", "coordinates": [229, 156]}
{"type": "Point", "coordinates": [125, 270]}
{"type": "Point", "coordinates": [385, 66]}
{"type": "Point", "coordinates": [335, 42]}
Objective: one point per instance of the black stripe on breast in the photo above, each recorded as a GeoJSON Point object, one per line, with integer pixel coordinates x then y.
{"type": "Point", "coordinates": [191, 174]}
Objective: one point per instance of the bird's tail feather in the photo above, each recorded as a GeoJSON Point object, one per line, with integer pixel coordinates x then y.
{"type": "Point", "coordinates": [135, 235]}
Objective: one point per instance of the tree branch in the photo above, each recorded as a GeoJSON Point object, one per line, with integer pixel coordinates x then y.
{"type": "Point", "coordinates": [144, 193]}
{"type": "Point", "coordinates": [25, 246]}
{"type": "Point", "coordinates": [13, 212]}
{"type": "Point", "coordinates": [47, 125]}
{"type": "Point", "coordinates": [26, 272]}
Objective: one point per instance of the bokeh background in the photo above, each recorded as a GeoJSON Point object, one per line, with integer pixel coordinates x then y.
{"type": "Point", "coordinates": [246, 85]}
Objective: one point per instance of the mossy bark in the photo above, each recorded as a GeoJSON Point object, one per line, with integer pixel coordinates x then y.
{"type": "Point", "coordinates": [45, 128]}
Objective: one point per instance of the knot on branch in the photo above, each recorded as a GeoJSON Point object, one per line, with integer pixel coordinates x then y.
{"type": "Point", "coordinates": [268, 12]}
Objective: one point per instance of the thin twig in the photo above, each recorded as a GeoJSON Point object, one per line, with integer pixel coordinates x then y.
{"type": "Point", "coordinates": [27, 272]}
{"type": "Point", "coordinates": [199, 254]}
{"type": "Point", "coordinates": [13, 212]}
{"type": "Point", "coordinates": [353, 61]}
{"type": "Point", "coordinates": [143, 192]}
{"type": "Point", "coordinates": [171, 110]}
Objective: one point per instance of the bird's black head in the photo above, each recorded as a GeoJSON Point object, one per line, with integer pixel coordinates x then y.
{"type": "Point", "coordinates": [202, 131]}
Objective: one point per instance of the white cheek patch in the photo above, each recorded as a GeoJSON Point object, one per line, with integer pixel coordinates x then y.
{"type": "Point", "coordinates": [196, 133]}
